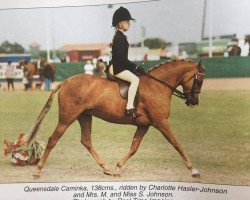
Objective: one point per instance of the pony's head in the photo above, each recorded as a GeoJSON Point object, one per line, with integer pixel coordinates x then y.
{"type": "Point", "coordinates": [21, 64]}
{"type": "Point", "coordinates": [192, 83]}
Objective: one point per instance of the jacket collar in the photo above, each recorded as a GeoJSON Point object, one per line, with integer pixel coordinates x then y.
{"type": "Point", "coordinates": [121, 33]}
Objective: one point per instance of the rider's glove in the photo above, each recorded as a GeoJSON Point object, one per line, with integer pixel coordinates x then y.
{"type": "Point", "coordinates": [139, 70]}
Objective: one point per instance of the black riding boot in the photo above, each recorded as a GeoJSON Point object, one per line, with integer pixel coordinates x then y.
{"type": "Point", "coordinates": [132, 112]}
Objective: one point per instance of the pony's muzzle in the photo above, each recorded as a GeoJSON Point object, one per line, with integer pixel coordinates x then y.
{"type": "Point", "coordinates": [192, 102]}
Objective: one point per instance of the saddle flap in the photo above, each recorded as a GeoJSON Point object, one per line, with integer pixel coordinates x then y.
{"type": "Point", "coordinates": [123, 85]}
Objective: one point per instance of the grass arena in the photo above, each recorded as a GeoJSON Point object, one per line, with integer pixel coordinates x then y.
{"type": "Point", "coordinates": [215, 136]}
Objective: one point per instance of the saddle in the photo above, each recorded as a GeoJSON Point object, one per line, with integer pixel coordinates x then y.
{"type": "Point", "coordinates": [123, 87]}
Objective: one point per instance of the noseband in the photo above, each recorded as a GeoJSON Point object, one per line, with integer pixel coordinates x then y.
{"type": "Point", "coordinates": [196, 82]}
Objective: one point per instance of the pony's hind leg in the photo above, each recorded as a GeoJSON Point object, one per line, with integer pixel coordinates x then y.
{"type": "Point", "coordinates": [167, 133]}
{"type": "Point", "coordinates": [58, 132]}
{"type": "Point", "coordinates": [139, 134]}
{"type": "Point", "coordinates": [85, 121]}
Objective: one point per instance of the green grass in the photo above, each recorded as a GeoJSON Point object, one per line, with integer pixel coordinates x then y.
{"type": "Point", "coordinates": [216, 136]}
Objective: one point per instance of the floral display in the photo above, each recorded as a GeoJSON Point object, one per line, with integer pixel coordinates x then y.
{"type": "Point", "coordinates": [23, 154]}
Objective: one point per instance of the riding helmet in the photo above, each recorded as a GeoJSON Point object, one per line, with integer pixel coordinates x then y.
{"type": "Point", "coordinates": [121, 14]}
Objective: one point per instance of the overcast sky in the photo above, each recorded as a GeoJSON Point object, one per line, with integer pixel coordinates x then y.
{"type": "Point", "coordinates": [173, 20]}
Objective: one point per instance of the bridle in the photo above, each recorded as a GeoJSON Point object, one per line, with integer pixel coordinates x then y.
{"type": "Point", "coordinates": [188, 96]}
{"type": "Point", "coordinates": [196, 87]}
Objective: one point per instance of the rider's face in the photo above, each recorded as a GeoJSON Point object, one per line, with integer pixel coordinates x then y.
{"type": "Point", "coordinates": [124, 25]}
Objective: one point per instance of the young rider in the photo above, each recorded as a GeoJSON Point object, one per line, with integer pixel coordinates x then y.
{"type": "Point", "coordinates": [120, 66]}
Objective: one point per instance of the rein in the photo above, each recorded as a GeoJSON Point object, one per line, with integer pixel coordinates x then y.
{"type": "Point", "coordinates": [183, 95]}
{"type": "Point", "coordinates": [173, 89]}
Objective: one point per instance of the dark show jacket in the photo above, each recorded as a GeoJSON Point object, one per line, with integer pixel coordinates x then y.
{"type": "Point", "coordinates": [47, 72]}
{"type": "Point", "coordinates": [120, 59]}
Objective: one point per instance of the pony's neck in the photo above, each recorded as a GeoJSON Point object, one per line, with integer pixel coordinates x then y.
{"type": "Point", "coordinates": [171, 72]}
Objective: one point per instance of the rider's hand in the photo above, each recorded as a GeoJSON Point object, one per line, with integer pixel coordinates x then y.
{"type": "Point", "coordinates": [139, 70]}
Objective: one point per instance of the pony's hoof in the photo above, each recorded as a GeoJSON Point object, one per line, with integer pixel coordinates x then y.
{"type": "Point", "coordinates": [107, 172]}
{"type": "Point", "coordinates": [198, 176]}
{"type": "Point", "coordinates": [117, 175]}
{"type": "Point", "coordinates": [195, 173]}
{"type": "Point", "coordinates": [36, 176]}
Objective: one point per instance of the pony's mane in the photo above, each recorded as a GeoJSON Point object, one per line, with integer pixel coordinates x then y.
{"type": "Point", "coordinates": [168, 62]}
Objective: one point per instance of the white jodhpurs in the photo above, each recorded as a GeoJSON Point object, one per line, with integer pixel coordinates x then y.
{"type": "Point", "coordinates": [126, 75]}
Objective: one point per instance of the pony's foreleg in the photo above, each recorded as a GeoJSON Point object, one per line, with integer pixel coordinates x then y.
{"type": "Point", "coordinates": [167, 133]}
{"type": "Point", "coordinates": [58, 132]}
{"type": "Point", "coordinates": [85, 121]}
{"type": "Point", "coordinates": [139, 134]}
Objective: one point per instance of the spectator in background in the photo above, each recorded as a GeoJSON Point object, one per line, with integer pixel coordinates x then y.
{"type": "Point", "coordinates": [55, 58]}
{"type": "Point", "coordinates": [10, 75]}
{"type": "Point", "coordinates": [100, 68]}
{"type": "Point", "coordinates": [89, 68]}
{"type": "Point", "coordinates": [63, 59]}
{"type": "Point", "coordinates": [26, 79]}
{"type": "Point", "coordinates": [48, 76]}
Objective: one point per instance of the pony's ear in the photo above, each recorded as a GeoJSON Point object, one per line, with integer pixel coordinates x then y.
{"type": "Point", "coordinates": [199, 64]}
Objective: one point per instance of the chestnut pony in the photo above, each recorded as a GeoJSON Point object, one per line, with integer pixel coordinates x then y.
{"type": "Point", "coordinates": [83, 96]}
{"type": "Point", "coordinates": [33, 69]}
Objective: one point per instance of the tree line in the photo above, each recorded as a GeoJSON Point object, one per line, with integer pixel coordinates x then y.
{"type": "Point", "coordinates": [7, 47]}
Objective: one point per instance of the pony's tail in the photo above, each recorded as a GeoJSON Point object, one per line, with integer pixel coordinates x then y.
{"type": "Point", "coordinates": [34, 129]}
